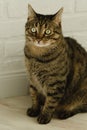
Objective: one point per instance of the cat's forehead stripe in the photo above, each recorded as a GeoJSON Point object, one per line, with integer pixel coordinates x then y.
{"type": "Point", "coordinates": [43, 19]}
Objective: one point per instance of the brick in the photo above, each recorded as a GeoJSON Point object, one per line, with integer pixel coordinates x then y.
{"type": "Point", "coordinates": [14, 48]}
{"type": "Point", "coordinates": [8, 66]}
{"type": "Point", "coordinates": [81, 5]}
{"type": "Point", "coordinates": [74, 23]}
{"type": "Point", "coordinates": [17, 8]}
{"type": "Point", "coordinates": [55, 5]}
{"type": "Point", "coordinates": [1, 49]}
{"type": "Point", "coordinates": [13, 86]}
{"type": "Point", "coordinates": [1, 8]}
{"type": "Point", "coordinates": [81, 38]}
{"type": "Point", "coordinates": [14, 7]}
{"type": "Point", "coordinates": [12, 28]}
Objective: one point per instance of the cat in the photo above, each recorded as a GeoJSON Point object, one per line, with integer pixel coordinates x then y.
{"type": "Point", "coordinates": [57, 68]}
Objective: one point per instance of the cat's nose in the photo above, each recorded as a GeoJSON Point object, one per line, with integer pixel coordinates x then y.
{"type": "Point", "coordinates": [39, 40]}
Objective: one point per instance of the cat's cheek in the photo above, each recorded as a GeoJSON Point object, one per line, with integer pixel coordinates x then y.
{"type": "Point", "coordinates": [30, 41]}
{"type": "Point", "coordinates": [51, 42]}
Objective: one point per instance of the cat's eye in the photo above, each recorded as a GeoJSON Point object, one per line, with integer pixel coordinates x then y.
{"type": "Point", "coordinates": [48, 31]}
{"type": "Point", "coordinates": [33, 30]}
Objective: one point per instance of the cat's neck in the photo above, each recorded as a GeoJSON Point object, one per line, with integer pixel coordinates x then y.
{"type": "Point", "coordinates": [45, 53]}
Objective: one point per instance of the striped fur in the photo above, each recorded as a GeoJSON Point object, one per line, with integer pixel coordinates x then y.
{"type": "Point", "coordinates": [57, 73]}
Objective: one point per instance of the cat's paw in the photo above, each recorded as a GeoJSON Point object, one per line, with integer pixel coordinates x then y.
{"type": "Point", "coordinates": [44, 118]}
{"type": "Point", "coordinates": [33, 112]}
{"type": "Point", "coordinates": [64, 114]}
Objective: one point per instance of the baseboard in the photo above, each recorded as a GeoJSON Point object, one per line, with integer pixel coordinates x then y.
{"type": "Point", "coordinates": [13, 85]}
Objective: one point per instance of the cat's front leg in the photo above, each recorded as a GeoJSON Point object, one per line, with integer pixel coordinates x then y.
{"type": "Point", "coordinates": [52, 100]}
{"type": "Point", "coordinates": [35, 109]}
{"type": "Point", "coordinates": [47, 111]}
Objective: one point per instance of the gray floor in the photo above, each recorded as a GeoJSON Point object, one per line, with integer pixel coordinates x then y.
{"type": "Point", "coordinates": [13, 117]}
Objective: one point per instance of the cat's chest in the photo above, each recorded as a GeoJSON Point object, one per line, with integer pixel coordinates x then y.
{"type": "Point", "coordinates": [33, 70]}
{"type": "Point", "coordinates": [35, 81]}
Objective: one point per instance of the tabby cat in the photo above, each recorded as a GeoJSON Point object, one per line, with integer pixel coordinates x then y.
{"type": "Point", "coordinates": [57, 69]}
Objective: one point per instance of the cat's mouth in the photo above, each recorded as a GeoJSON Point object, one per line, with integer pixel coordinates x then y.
{"type": "Point", "coordinates": [41, 44]}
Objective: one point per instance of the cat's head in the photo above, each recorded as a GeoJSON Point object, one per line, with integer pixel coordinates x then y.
{"type": "Point", "coordinates": [43, 30]}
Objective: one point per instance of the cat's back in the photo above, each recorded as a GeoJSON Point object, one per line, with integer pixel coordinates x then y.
{"type": "Point", "coordinates": [77, 57]}
{"type": "Point", "coordinates": [75, 49]}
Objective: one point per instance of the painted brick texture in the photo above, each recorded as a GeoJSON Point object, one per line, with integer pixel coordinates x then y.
{"type": "Point", "coordinates": [13, 14]}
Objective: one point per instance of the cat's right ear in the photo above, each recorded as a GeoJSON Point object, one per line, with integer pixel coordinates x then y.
{"type": "Point", "coordinates": [57, 16]}
{"type": "Point", "coordinates": [31, 12]}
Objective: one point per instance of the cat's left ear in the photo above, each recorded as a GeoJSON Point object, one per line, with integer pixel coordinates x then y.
{"type": "Point", "coordinates": [57, 17]}
{"type": "Point", "coordinates": [31, 12]}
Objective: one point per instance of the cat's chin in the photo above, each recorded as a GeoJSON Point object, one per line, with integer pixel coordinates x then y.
{"type": "Point", "coordinates": [42, 45]}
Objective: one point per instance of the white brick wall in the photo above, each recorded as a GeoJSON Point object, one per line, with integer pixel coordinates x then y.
{"type": "Point", "coordinates": [81, 5]}
{"type": "Point", "coordinates": [13, 14]}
